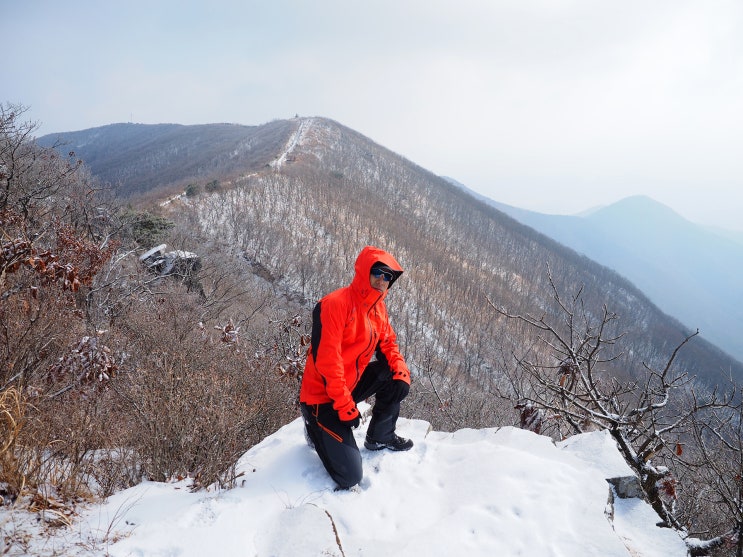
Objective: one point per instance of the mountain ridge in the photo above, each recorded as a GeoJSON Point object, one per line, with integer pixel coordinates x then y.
{"type": "Point", "coordinates": [138, 158]}
{"type": "Point", "coordinates": [336, 187]}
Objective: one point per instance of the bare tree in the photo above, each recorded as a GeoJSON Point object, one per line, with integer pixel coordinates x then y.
{"type": "Point", "coordinates": [648, 416]}
{"type": "Point", "coordinates": [29, 175]}
{"type": "Point", "coordinates": [716, 463]}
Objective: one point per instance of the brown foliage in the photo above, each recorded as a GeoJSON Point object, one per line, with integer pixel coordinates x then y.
{"type": "Point", "coordinates": [107, 374]}
{"type": "Point", "coordinates": [192, 403]}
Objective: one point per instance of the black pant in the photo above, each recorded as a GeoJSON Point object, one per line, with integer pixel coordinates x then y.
{"type": "Point", "coordinates": [333, 439]}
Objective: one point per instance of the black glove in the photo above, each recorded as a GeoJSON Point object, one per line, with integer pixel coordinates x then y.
{"type": "Point", "coordinates": [346, 418]}
{"type": "Point", "coordinates": [352, 423]}
{"type": "Point", "coordinates": [398, 390]}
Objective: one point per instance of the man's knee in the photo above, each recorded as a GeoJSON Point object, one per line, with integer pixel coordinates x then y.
{"type": "Point", "coordinates": [346, 482]}
{"type": "Point", "coordinates": [346, 469]}
{"type": "Point", "coordinates": [393, 392]}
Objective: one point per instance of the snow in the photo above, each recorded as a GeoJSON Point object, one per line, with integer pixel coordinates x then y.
{"type": "Point", "coordinates": [500, 491]}
{"type": "Point", "coordinates": [294, 140]}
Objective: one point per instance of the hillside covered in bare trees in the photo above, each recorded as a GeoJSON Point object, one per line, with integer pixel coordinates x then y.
{"type": "Point", "coordinates": [158, 283]}
{"type": "Point", "coordinates": [313, 192]}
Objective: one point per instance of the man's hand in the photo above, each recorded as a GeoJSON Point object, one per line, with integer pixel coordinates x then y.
{"type": "Point", "coordinates": [354, 423]}
{"type": "Point", "coordinates": [350, 417]}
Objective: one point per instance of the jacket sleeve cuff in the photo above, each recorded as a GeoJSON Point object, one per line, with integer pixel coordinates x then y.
{"type": "Point", "coordinates": [348, 411]}
{"type": "Point", "coordinates": [401, 375]}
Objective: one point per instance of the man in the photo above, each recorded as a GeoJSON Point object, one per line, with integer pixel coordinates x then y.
{"type": "Point", "coordinates": [349, 326]}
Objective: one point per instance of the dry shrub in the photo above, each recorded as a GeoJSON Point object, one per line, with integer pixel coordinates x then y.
{"type": "Point", "coordinates": [12, 417]}
{"type": "Point", "coordinates": [42, 283]}
{"type": "Point", "coordinates": [195, 418]}
{"type": "Point", "coordinates": [30, 463]}
{"type": "Point", "coordinates": [77, 433]}
{"type": "Point", "coordinates": [192, 403]}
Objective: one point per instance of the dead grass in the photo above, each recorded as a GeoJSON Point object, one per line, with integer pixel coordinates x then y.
{"type": "Point", "coordinates": [12, 417]}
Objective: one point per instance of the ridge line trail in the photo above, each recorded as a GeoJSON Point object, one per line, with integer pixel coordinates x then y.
{"type": "Point", "coordinates": [294, 140]}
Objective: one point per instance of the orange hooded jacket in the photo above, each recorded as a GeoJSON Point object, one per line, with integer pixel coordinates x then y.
{"type": "Point", "coordinates": [349, 325]}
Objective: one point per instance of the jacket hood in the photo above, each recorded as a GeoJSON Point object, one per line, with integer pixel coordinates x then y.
{"type": "Point", "coordinates": [368, 257]}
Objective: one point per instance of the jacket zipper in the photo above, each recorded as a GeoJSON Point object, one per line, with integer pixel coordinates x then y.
{"type": "Point", "coordinates": [371, 340]}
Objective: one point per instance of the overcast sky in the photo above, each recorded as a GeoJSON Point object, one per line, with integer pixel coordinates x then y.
{"type": "Point", "coordinates": [550, 105]}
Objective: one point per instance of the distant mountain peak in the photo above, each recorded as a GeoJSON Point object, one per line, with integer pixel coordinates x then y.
{"type": "Point", "coordinates": [688, 270]}
{"type": "Point", "coordinates": [639, 209]}
{"type": "Point", "coordinates": [639, 202]}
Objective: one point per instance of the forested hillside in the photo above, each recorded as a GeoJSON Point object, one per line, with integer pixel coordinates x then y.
{"type": "Point", "coordinates": [136, 159]}
{"type": "Point", "coordinates": [330, 191]}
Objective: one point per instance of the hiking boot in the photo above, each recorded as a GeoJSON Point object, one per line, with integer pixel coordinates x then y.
{"type": "Point", "coordinates": [394, 443]}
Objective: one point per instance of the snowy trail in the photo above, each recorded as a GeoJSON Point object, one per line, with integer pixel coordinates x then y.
{"type": "Point", "coordinates": [296, 139]}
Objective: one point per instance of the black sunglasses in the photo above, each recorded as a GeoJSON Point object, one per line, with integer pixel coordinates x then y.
{"type": "Point", "coordinates": [388, 276]}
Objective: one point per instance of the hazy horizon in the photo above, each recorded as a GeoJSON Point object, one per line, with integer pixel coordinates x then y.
{"type": "Point", "coordinates": [553, 107]}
